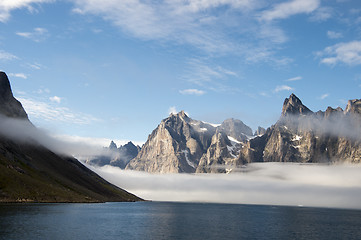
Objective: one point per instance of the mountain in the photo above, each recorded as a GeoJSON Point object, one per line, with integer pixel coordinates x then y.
{"type": "Point", "coordinates": [301, 135]}
{"type": "Point", "coordinates": [29, 172]}
{"type": "Point", "coordinates": [114, 156]}
{"type": "Point", "coordinates": [180, 144]}
{"type": "Point", "coordinates": [9, 106]}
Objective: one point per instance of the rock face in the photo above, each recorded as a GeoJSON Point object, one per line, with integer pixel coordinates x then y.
{"type": "Point", "coordinates": [181, 144]}
{"type": "Point", "coordinates": [303, 136]}
{"type": "Point", "coordinates": [29, 172]}
{"type": "Point", "coordinates": [114, 156]}
{"type": "Point", "coordinates": [294, 106]}
{"type": "Point", "coordinates": [9, 106]}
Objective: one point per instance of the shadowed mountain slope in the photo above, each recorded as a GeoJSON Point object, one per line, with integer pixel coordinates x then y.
{"type": "Point", "coordinates": [29, 172]}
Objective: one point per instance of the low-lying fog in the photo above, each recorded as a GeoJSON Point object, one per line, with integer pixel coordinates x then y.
{"type": "Point", "coordinates": [260, 183]}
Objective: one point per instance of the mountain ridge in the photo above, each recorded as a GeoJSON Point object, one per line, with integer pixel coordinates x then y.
{"type": "Point", "coordinates": [179, 143]}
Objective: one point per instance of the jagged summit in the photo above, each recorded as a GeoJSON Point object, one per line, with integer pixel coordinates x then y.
{"type": "Point", "coordinates": [181, 115]}
{"type": "Point", "coordinates": [236, 129]}
{"type": "Point", "coordinates": [293, 106]}
{"type": "Point", "coordinates": [112, 145]}
{"type": "Point", "coordinates": [353, 106]}
{"type": "Point", "coordinates": [9, 106]}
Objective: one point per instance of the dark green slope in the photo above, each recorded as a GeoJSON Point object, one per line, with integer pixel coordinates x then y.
{"type": "Point", "coordinates": [30, 172]}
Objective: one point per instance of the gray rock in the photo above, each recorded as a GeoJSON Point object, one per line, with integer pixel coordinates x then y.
{"type": "Point", "coordinates": [9, 106]}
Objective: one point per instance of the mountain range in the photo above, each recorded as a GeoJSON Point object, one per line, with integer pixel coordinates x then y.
{"type": "Point", "coordinates": [30, 172]}
{"type": "Point", "coordinates": [182, 145]}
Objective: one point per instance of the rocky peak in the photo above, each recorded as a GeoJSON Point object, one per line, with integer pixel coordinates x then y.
{"type": "Point", "coordinates": [112, 145]}
{"type": "Point", "coordinates": [330, 112]}
{"type": "Point", "coordinates": [353, 106]}
{"type": "Point", "coordinates": [293, 106]}
{"type": "Point", "coordinates": [9, 106]}
{"type": "Point", "coordinates": [236, 129]}
{"type": "Point", "coordinates": [260, 131]}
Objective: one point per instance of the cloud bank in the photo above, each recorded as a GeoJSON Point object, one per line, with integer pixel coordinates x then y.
{"type": "Point", "coordinates": [336, 186]}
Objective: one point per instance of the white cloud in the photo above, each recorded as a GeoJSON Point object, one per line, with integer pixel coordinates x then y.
{"type": "Point", "coordinates": [201, 24]}
{"type": "Point", "coordinates": [208, 75]}
{"type": "Point", "coordinates": [283, 88]}
{"type": "Point", "coordinates": [178, 21]}
{"type": "Point", "coordinates": [55, 99]}
{"type": "Point", "coordinates": [322, 14]}
{"type": "Point", "coordinates": [5, 56]}
{"type": "Point", "coordinates": [348, 53]}
{"type": "Point", "coordinates": [47, 112]}
{"type": "Point", "coordinates": [334, 35]}
{"type": "Point", "coordinates": [6, 6]}
{"type": "Point", "coordinates": [324, 96]}
{"type": "Point", "coordinates": [172, 110]}
{"type": "Point", "coordinates": [259, 183]}
{"type": "Point", "coordinates": [294, 79]}
{"type": "Point", "coordinates": [192, 92]}
{"type": "Point", "coordinates": [287, 9]}
{"type": "Point", "coordinates": [35, 66]}
{"type": "Point", "coordinates": [18, 75]}
{"type": "Point", "coordinates": [37, 35]}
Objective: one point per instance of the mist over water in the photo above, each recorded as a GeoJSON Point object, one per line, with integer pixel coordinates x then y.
{"type": "Point", "coordinates": [335, 186]}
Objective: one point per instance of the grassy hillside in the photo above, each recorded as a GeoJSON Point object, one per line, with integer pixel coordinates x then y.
{"type": "Point", "coordinates": [32, 173]}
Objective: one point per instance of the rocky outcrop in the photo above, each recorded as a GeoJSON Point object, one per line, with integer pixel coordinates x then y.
{"type": "Point", "coordinates": [9, 106]}
{"type": "Point", "coordinates": [114, 156]}
{"type": "Point", "coordinates": [260, 131]}
{"type": "Point", "coordinates": [294, 106]}
{"type": "Point", "coordinates": [236, 129]}
{"type": "Point", "coordinates": [221, 155]}
{"type": "Point", "coordinates": [176, 145]}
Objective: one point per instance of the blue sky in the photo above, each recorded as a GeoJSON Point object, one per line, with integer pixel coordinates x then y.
{"type": "Point", "coordinates": [114, 68]}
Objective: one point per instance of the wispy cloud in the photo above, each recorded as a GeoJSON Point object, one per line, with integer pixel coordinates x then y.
{"type": "Point", "coordinates": [192, 92]}
{"type": "Point", "coordinates": [283, 88]}
{"type": "Point", "coordinates": [208, 75]}
{"type": "Point", "coordinates": [46, 111]}
{"type": "Point", "coordinates": [37, 35]}
{"type": "Point", "coordinates": [7, 6]}
{"type": "Point", "coordinates": [324, 96]}
{"type": "Point", "coordinates": [294, 79]}
{"type": "Point", "coordinates": [55, 99]}
{"type": "Point", "coordinates": [201, 24]}
{"type": "Point", "coordinates": [334, 35]}
{"type": "Point", "coordinates": [172, 110]}
{"type": "Point", "coordinates": [348, 53]}
{"type": "Point", "coordinates": [35, 66]}
{"type": "Point", "coordinates": [18, 75]}
{"type": "Point", "coordinates": [287, 9]}
{"type": "Point", "coordinates": [322, 14]}
{"type": "Point", "coordinates": [5, 56]}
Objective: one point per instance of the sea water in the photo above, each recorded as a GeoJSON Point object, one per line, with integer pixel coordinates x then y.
{"type": "Point", "coordinates": [166, 220]}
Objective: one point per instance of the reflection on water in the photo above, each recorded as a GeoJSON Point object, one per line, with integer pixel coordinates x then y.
{"type": "Point", "coordinates": [156, 220]}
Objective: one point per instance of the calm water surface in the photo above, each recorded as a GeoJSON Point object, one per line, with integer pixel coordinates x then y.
{"type": "Point", "coordinates": [160, 220]}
